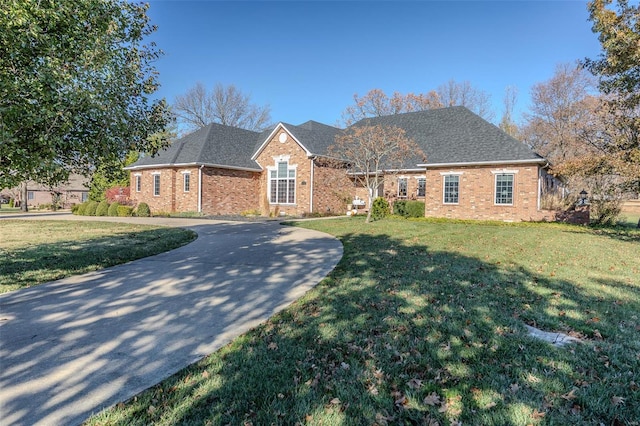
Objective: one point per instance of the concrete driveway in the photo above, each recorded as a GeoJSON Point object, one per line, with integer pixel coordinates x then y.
{"type": "Point", "coordinates": [72, 347]}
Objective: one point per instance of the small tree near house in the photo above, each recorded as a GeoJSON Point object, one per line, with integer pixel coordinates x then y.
{"type": "Point", "coordinates": [373, 151]}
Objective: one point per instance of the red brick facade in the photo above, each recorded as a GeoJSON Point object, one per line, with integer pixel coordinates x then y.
{"type": "Point", "coordinates": [477, 193]}
{"type": "Point", "coordinates": [226, 192]}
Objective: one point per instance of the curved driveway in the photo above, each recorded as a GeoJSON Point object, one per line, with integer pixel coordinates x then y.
{"type": "Point", "coordinates": [72, 347]}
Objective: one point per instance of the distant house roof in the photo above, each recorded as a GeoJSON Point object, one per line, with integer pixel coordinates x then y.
{"type": "Point", "coordinates": [447, 136]}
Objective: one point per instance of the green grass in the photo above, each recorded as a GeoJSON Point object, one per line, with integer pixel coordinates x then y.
{"type": "Point", "coordinates": [629, 220]}
{"type": "Point", "coordinates": [34, 252]}
{"type": "Point", "coordinates": [6, 209]}
{"type": "Point", "coordinates": [423, 322]}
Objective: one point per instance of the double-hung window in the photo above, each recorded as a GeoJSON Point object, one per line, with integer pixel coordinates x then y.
{"type": "Point", "coordinates": [186, 181]}
{"type": "Point", "coordinates": [422, 187]}
{"type": "Point", "coordinates": [402, 187]}
{"type": "Point", "coordinates": [504, 188]}
{"type": "Point", "coordinates": [156, 185]}
{"type": "Point", "coordinates": [138, 183]}
{"type": "Point", "coordinates": [282, 184]}
{"type": "Point", "coordinates": [451, 189]}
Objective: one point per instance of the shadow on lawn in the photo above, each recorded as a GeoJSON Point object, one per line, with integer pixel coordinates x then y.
{"type": "Point", "coordinates": [401, 334]}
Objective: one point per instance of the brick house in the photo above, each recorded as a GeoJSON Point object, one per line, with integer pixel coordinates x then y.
{"type": "Point", "coordinates": [469, 168]}
{"type": "Point", "coordinates": [74, 191]}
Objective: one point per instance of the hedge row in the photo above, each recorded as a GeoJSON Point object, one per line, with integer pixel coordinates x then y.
{"type": "Point", "coordinates": [408, 208]}
{"type": "Point", "coordinates": [93, 208]}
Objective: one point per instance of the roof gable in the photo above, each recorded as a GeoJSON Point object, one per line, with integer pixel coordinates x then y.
{"type": "Point", "coordinates": [313, 137]}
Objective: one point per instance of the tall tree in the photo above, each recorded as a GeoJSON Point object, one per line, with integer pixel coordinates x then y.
{"type": "Point", "coordinates": [225, 105]}
{"type": "Point", "coordinates": [454, 93]}
{"type": "Point", "coordinates": [75, 81]}
{"type": "Point", "coordinates": [561, 109]}
{"type": "Point", "coordinates": [376, 103]}
{"type": "Point", "coordinates": [373, 151]}
{"type": "Point", "coordinates": [618, 71]}
{"type": "Point", "coordinates": [507, 123]}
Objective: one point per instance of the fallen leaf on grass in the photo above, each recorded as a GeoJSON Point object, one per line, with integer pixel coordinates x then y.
{"type": "Point", "coordinates": [617, 400]}
{"type": "Point", "coordinates": [569, 396]}
{"type": "Point", "coordinates": [514, 388]}
{"type": "Point", "coordinates": [538, 414]}
{"type": "Point", "coordinates": [414, 383]}
{"type": "Point", "coordinates": [335, 401]}
{"type": "Point", "coordinates": [432, 399]}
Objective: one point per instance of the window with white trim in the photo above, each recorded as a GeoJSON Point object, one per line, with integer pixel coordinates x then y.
{"type": "Point", "coordinates": [422, 187]}
{"type": "Point", "coordinates": [31, 195]}
{"type": "Point", "coordinates": [186, 181]}
{"type": "Point", "coordinates": [451, 189]}
{"type": "Point", "coordinates": [402, 187]}
{"type": "Point", "coordinates": [504, 188]}
{"type": "Point", "coordinates": [156, 185]}
{"type": "Point", "coordinates": [282, 184]}
{"type": "Point", "coordinates": [138, 183]}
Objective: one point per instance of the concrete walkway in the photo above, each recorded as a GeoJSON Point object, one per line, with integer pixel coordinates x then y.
{"type": "Point", "coordinates": [72, 347]}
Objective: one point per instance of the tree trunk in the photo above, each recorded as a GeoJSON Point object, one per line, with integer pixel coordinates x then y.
{"type": "Point", "coordinates": [24, 195]}
{"type": "Point", "coordinates": [638, 224]}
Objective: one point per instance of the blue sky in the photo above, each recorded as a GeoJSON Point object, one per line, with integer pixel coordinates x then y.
{"type": "Point", "coordinates": [307, 59]}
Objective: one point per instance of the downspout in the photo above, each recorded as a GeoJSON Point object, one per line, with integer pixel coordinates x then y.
{"type": "Point", "coordinates": [200, 189]}
{"type": "Point", "coordinates": [539, 187]}
{"type": "Point", "coordinates": [311, 189]}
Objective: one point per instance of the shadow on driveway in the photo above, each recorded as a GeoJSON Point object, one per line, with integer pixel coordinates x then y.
{"type": "Point", "coordinates": [72, 347]}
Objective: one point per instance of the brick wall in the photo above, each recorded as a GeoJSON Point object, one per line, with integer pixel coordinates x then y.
{"type": "Point", "coordinates": [172, 196]}
{"type": "Point", "coordinates": [229, 191]}
{"type": "Point", "coordinates": [287, 148]}
{"type": "Point", "coordinates": [477, 194]}
{"type": "Point", "coordinates": [332, 188]}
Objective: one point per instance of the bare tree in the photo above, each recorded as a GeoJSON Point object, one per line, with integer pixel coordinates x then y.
{"type": "Point", "coordinates": [373, 151]}
{"type": "Point", "coordinates": [561, 111]}
{"type": "Point", "coordinates": [225, 105]}
{"type": "Point", "coordinates": [464, 94]}
{"type": "Point", "coordinates": [507, 124]}
{"type": "Point", "coordinates": [376, 104]}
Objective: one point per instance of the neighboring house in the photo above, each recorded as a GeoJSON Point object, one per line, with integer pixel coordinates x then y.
{"type": "Point", "coordinates": [469, 168]}
{"type": "Point", "coordinates": [66, 194]}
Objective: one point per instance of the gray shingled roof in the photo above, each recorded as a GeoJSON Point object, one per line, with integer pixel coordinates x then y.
{"type": "Point", "coordinates": [456, 135]}
{"type": "Point", "coordinates": [452, 135]}
{"type": "Point", "coordinates": [215, 144]}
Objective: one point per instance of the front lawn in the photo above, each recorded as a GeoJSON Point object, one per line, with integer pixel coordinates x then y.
{"type": "Point", "coordinates": [422, 322]}
{"type": "Point", "coordinates": [34, 252]}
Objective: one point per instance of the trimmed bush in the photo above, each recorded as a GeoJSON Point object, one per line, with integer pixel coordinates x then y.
{"type": "Point", "coordinates": [113, 209]}
{"type": "Point", "coordinates": [380, 208]}
{"type": "Point", "coordinates": [81, 208]}
{"type": "Point", "coordinates": [103, 208]}
{"type": "Point", "coordinates": [143, 210]}
{"type": "Point", "coordinates": [400, 208]}
{"type": "Point", "coordinates": [124, 211]}
{"type": "Point", "coordinates": [91, 208]}
{"type": "Point", "coordinates": [414, 209]}
{"type": "Point", "coordinates": [74, 208]}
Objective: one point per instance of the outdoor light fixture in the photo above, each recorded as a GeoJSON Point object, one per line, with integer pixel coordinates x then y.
{"type": "Point", "coordinates": [583, 197]}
